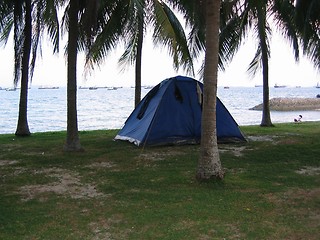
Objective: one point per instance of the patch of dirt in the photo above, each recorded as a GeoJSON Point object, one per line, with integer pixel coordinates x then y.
{"type": "Point", "coordinates": [101, 165]}
{"type": "Point", "coordinates": [68, 183]}
{"type": "Point", "coordinates": [288, 141]}
{"type": "Point", "coordinates": [291, 196]}
{"type": "Point", "coordinates": [309, 171]}
{"type": "Point", "coordinates": [300, 204]}
{"type": "Point", "coordinates": [265, 138]}
{"type": "Point", "coordinates": [235, 150]}
{"type": "Point", "coordinates": [101, 229]}
{"type": "Point", "coordinates": [158, 156]}
{"type": "Point", "coordinates": [7, 162]}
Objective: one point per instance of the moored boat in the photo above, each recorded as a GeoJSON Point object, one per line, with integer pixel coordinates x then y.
{"type": "Point", "coordinates": [279, 86]}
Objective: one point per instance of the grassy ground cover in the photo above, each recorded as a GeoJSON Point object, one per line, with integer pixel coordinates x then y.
{"type": "Point", "coordinates": [115, 190]}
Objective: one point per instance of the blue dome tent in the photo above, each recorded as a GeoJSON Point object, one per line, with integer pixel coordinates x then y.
{"type": "Point", "coordinates": [170, 113]}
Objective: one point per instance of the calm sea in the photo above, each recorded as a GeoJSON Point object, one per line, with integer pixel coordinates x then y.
{"type": "Point", "coordinates": [108, 109]}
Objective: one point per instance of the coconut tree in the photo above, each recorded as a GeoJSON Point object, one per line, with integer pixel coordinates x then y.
{"type": "Point", "coordinates": [22, 15]}
{"type": "Point", "coordinates": [209, 164]}
{"type": "Point", "coordinates": [127, 23]}
{"type": "Point", "coordinates": [23, 52]}
{"type": "Point", "coordinates": [249, 16]}
{"type": "Point", "coordinates": [79, 21]}
{"type": "Point", "coordinates": [203, 18]}
{"type": "Point", "coordinates": [17, 14]}
{"type": "Point", "coordinates": [238, 20]}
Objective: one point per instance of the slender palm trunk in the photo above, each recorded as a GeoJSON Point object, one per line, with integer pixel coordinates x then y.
{"type": "Point", "coordinates": [73, 141]}
{"type": "Point", "coordinates": [266, 118]}
{"type": "Point", "coordinates": [209, 165]}
{"type": "Point", "coordinates": [138, 77]}
{"type": "Point", "coordinates": [22, 126]}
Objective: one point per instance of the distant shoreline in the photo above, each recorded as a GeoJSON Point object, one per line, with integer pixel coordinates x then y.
{"type": "Point", "coordinates": [292, 104]}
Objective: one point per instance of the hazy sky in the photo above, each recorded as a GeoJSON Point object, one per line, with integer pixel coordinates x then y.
{"type": "Point", "coordinates": [51, 70]}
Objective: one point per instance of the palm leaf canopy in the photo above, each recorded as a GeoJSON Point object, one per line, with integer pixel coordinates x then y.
{"type": "Point", "coordinates": [44, 15]}
{"type": "Point", "coordinates": [120, 24]}
{"type": "Point", "coordinates": [307, 19]}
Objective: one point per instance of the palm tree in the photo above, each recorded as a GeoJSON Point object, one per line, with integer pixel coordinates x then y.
{"type": "Point", "coordinates": [127, 22]}
{"type": "Point", "coordinates": [79, 20]}
{"type": "Point", "coordinates": [209, 165]}
{"type": "Point", "coordinates": [72, 141]}
{"type": "Point", "coordinates": [21, 15]}
{"type": "Point", "coordinates": [254, 16]}
{"type": "Point", "coordinates": [22, 127]}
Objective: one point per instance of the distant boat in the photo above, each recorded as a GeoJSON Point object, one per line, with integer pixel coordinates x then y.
{"type": "Point", "coordinates": [147, 87]}
{"type": "Point", "coordinates": [93, 88]}
{"type": "Point", "coordinates": [46, 87]}
{"type": "Point", "coordinates": [226, 87]}
{"type": "Point", "coordinates": [11, 89]}
{"type": "Point", "coordinates": [318, 85]}
{"type": "Point", "coordinates": [258, 85]}
{"type": "Point", "coordinates": [279, 86]}
{"type": "Point", "coordinates": [112, 88]}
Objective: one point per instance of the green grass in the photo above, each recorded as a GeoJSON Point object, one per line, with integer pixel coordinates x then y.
{"type": "Point", "coordinates": [114, 190]}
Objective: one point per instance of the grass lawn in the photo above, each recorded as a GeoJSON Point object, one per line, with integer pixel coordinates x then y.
{"type": "Point", "coordinates": [115, 190]}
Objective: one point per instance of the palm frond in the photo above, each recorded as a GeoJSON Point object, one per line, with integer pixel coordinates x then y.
{"type": "Point", "coordinates": [169, 32]}
{"type": "Point", "coordinates": [256, 64]}
{"type": "Point", "coordinates": [284, 13]}
{"type": "Point", "coordinates": [307, 19]}
{"type": "Point", "coordinates": [5, 30]}
{"type": "Point", "coordinates": [135, 30]}
{"type": "Point", "coordinates": [111, 26]}
{"type": "Point", "coordinates": [18, 40]}
{"type": "Point", "coordinates": [51, 22]}
{"type": "Point", "coordinates": [129, 55]}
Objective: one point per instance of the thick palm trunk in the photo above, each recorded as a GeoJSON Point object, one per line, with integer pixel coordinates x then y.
{"type": "Point", "coordinates": [266, 118]}
{"type": "Point", "coordinates": [72, 142]}
{"type": "Point", "coordinates": [22, 126]}
{"type": "Point", "coordinates": [209, 165]}
{"type": "Point", "coordinates": [137, 97]}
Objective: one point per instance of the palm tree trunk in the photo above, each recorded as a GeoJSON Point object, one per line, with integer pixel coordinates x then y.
{"type": "Point", "coordinates": [22, 126]}
{"type": "Point", "coordinates": [73, 141]}
{"type": "Point", "coordinates": [266, 118]}
{"type": "Point", "coordinates": [209, 165]}
{"type": "Point", "coordinates": [137, 97]}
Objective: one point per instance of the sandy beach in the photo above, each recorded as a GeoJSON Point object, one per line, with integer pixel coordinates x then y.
{"type": "Point", "coordinates": [292, 104]}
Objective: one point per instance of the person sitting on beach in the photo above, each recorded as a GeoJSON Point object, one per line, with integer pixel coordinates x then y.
{"type": "Point", "coordinates": [298, 119]}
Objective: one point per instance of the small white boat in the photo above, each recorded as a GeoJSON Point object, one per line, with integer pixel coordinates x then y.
{"type": "Point", "coordinates": [279, 86]}
{"type": "Point", "coordinates": [112, 88]}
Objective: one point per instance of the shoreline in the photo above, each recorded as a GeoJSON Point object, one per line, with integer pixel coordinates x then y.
{"type": "Point", "coordinates": [292, 104]}
{"type": "Point", "coordinates": [115, 130]}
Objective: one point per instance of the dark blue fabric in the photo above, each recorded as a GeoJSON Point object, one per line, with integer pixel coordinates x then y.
{"type": "Point", "coordinates": [171, 113]}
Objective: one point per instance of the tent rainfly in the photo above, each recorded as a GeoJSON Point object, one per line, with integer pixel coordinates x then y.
{"type": "Point", "coordinates": [170, 113]}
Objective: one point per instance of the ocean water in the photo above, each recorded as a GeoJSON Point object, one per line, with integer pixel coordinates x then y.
{"type": "Point", "coordinates": [108, 109]}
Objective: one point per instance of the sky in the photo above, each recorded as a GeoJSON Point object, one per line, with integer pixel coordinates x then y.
{"type": "Point", "coordinates": [157, 66]}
